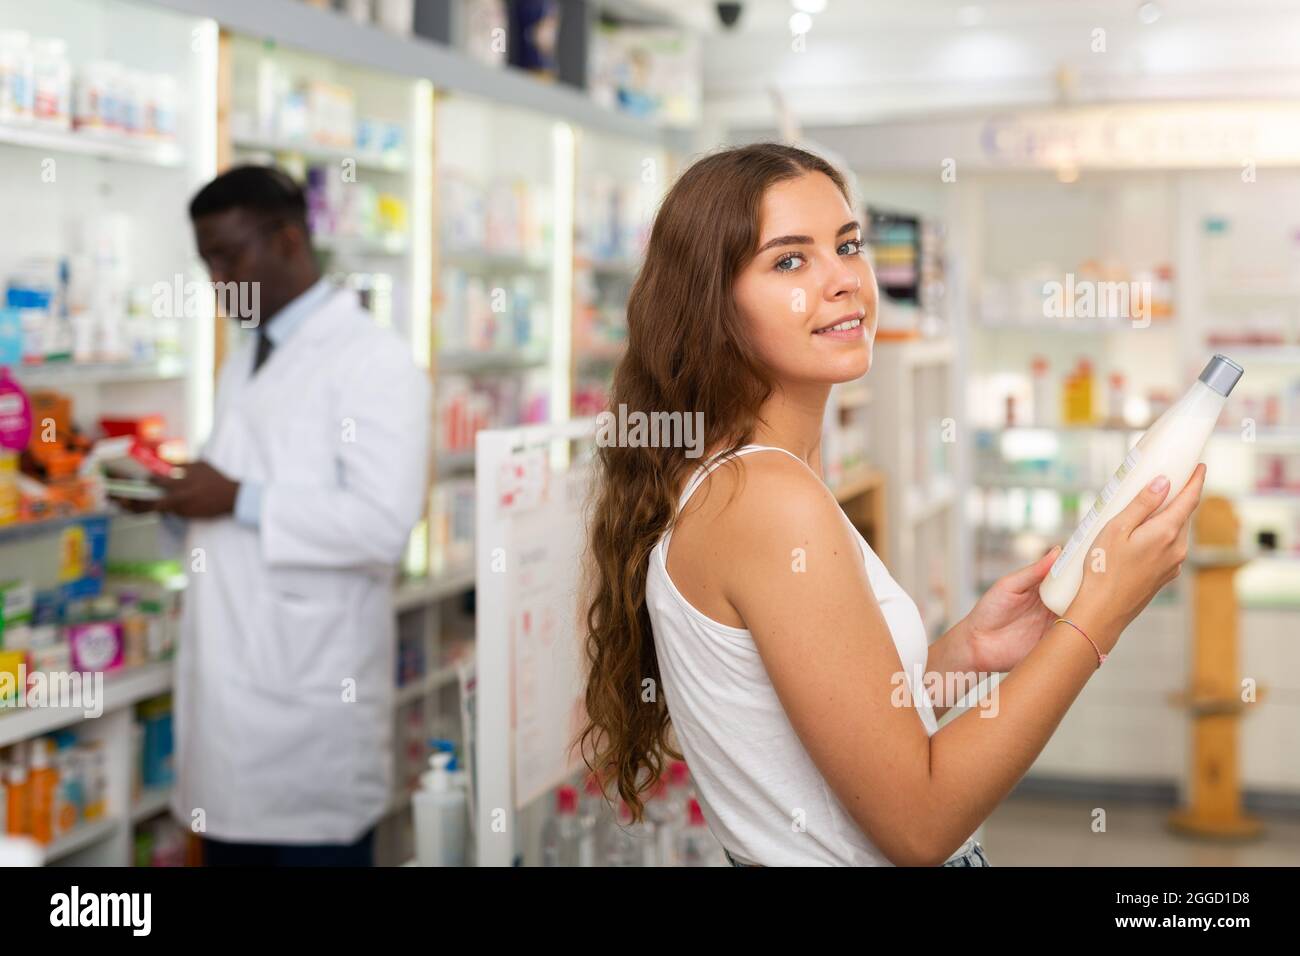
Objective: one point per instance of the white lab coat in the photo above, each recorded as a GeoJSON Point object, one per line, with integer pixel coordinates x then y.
{"type": "Point", "coordinates": [285, 671]}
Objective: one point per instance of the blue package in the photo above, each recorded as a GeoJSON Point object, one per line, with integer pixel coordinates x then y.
{"type": "Point", "coordinates": [157, 770]}
{"type": "Point", "coordinates": [11, 337]}
{"type": "Point", "coordinates": [93, 550]}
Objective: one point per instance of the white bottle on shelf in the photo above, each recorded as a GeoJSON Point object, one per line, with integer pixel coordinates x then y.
{"type": "Point", "coordinates": [1170, 447]}
{"type": "Point", "coordinates": [563, 833]}
{"type": "Point", "coordinates": [697, 846]}
{"type": "Point", "coordinates": [441, 821]}
{"type": "Point", "coordinates": [622, 841]}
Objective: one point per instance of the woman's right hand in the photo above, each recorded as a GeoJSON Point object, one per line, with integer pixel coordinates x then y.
{"type": "Point", "coordinates": [1141, 552]}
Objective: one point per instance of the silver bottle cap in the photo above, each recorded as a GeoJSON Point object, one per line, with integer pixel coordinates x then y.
{"type": "Point", "coordinates": [1222, 374]}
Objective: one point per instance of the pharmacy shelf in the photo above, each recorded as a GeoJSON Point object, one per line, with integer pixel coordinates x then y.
{"type": "Point", "coordinates": [419, 592]}
{"type": "Point", "coordinates": [1264, 435]}
{"type": "Point", "coordinates": [100, 147]}
{"type": "Point", "coordinates": [857, 482]}
{"type": "Point", "coordinates": [1065, 327]}
{"type": "Point", "coordinates": [121, 689]}
{"type": "Point", "coordinates": [1071, 429]}
{"type": "Point", "coordinates": [80, 837]}
{"type": "Point", "coordinates": [925, 504]}
{"type": "Point", "coordinates": [1282, 495]}
{"type": "Point", "coordinates": [358, 246]}
{"type": "Point", "coordinates": [626, 268]}
{"type": "Point", "coordinates": [65, 374]}
{"type": "Point", "coordinates": [454, 462]}
{"type": "Point", "coordinates": [31, 529]}
{"type": "Point", "coordinates": [1255, 289]}
{"type": "Point", "coordinates": [326, 33]}
{"type": "Point", "coordinates": [1036, 481]}
{"type": "Point", "coordinates": [424, 686]}
{"type": "Point", "coordinates": [153, 801]}
{"type": "Point", "coordinates": [472, 260]}
{"type": "Point", "coordinates": [490, 361]}
{"type": "Point", "coordinates": [387, 162]}
{"type": "Point", "coordinates": [1257, 354]}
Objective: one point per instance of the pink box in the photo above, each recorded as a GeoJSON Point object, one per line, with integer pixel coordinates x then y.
{"type": "Point", "coordinates": [96, 645]}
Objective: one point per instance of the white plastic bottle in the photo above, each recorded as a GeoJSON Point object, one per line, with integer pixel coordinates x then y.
{"type": "Point", "coordinates": [441, 820]}
{"type": "Point", "coordinates": [565, 842]}
{"type": "Point", "coordinates": [696, 842]}
{"type": "Point", "coordinates": [623, 846]}
{"type": "Point", "coordinates": [1171, 447]}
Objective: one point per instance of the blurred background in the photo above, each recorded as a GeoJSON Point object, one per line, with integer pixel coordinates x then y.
{"type": "Point", "coordinates": [501, 164]}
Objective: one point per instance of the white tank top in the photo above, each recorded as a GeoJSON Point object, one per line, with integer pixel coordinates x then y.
{"type": "Point", "coordinates": [752, 773]}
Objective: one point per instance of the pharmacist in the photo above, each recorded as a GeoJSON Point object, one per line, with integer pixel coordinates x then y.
{"type": "Point", "coordinates": [300, 509]}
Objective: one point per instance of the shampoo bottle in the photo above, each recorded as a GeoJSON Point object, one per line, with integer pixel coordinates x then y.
{"type": "Point", "coordinates": [1170, 447]}
{"type": "Point", "coordinates": [441, 820]}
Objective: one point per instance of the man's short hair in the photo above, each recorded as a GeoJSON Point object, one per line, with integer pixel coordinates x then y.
{"type": "Point", "coordinates": [266, 190]}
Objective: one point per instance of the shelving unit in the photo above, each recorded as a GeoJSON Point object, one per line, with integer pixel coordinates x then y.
{"type": "Point", "coordinates": [220, 52]}
{"type": "Point", "coordinates": [623, 181]}
{"type": "Point", "coordinates": [370, 200]}
{"type": "Point", "coordinates": [914, 426]}
{"type": "Point", "coordinates": [66, 181]}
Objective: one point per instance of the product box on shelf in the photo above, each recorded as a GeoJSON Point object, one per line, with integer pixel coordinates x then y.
{"type": "Point", "coordinates": [96, 646]}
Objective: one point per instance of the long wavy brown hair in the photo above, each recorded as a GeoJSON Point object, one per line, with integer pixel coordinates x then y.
{"type": "Point", "coordinates": [688, 351]}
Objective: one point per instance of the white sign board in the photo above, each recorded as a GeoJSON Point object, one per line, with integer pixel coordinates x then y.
{"type": "Point", "coordinates": [529, 542]}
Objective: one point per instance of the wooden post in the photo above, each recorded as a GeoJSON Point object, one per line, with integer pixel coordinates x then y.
{"type": "Point", "coordinates": [1214, 697]}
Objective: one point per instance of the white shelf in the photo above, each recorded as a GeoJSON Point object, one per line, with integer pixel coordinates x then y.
{"type": "Point", "coordinates": [922, 505]}
{"type": "Point", "coordinates": [1063, 429]}
{"type": "Point", "coordinates": [426, 685]}
{"type": "Point", "coordinates": [1271, 354]}
{"type": "Point", "coordinates": [117, 148]}
{"type": "Point", "coordinates": [32, 529]}
{"type": "Point", "coordinates": [1068, 327]}
{"type": "Point", "coordinates": [418, 592]}
{"type": "Point", "coordinates": [332, 35]}
{"type": "Point", "coordinates": [1255, 288]}
{"type": "Point", "coordinates": [388, 162]}
{"type": "Point", "coordinates": [480, 260]}
{"type": "Point", "coordinates": [917, 352]}
{"type": "Point", "coordinates": [153, 801]}
{"type": "Point", "coordinates": [1278, 495]}
{"type": "Point", "coordinates": [489, 361]}
{"type": "Point", "coordinates": [80, 837]}
{"type": "Point", "coordinates": [63, 374]}
{"type": "Point", "coordinates": [121, 689]}
{"type": "Point", "coordinates": [455, 462]}
{"type": "Point", "coordinates": [392, 245]}
{"type": "Point", "coordinates": [1035, 481]}
{"type": "Point", "coordinates": [1264, 435]}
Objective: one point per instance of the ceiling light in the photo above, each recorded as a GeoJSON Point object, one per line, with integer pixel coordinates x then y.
{"type": "Point", "coordinates": [1149, 12]}
{"type": "Point", "coordinates": [809, 6]}
{"type": "Point", "coordinates": [800, 23]}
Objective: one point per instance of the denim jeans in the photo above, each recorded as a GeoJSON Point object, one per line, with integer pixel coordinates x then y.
{"type": "Point", "coordinates": [972, 857]}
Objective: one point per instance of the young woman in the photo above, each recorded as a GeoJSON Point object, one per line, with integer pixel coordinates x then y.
{"type": "Point", "coordinates": [733, 605]}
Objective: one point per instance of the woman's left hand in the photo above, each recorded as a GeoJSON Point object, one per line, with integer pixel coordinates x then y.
{"type": "Point", "coordinates": [1010, 618]}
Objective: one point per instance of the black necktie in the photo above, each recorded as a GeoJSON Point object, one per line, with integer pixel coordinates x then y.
{"type": "Point", "coordinates": [264, 346]}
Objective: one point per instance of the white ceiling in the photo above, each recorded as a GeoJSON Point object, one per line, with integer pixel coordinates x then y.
{"type": "Point", "coordinates": [764, 16]}
{"type": "Point", "coordinates": [868, 60]}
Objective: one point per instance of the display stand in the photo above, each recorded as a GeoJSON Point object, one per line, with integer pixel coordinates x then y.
{"type": "Point", "coordinates": [1215, 695]}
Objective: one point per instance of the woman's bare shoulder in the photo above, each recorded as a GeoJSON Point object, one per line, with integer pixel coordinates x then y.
{"type": "Point", "coordinates": [763, 507]}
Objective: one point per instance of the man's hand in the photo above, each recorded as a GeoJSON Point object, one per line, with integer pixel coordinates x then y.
{"type": "Point", "coordinates": [200, 492]}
